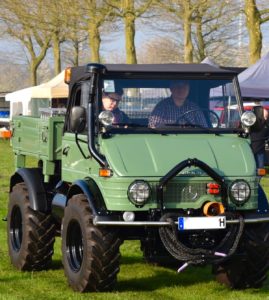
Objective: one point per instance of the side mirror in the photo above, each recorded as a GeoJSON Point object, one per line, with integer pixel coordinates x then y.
{"type": "Point", "coordinates": [78, 119]}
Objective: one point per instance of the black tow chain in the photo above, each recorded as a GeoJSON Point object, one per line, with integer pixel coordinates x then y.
{"type": "Point", "coordinates": [197, 256]}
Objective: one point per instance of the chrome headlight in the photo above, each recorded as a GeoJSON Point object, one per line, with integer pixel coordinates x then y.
{"type": "Point", "coordinates": [239, 192]}
{"type": "Point", "coordinates": [248, 118]}
{"type": "Point", "coordinates": [139, 192]}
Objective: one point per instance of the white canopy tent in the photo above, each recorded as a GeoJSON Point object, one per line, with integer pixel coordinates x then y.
{"type": "Point", "coordinates": [55, 88]}
{"type": "Point", "coordinates": [28, 101]}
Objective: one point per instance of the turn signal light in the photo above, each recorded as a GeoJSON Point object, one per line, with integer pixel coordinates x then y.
{"type": "Point", "coordinates": [261, 172]}
{"type": "Point", "coordinates": [213, 191]}
{"type": "Point", "coordinates": [213, 188]}
{"type": "Point", "coordinates": [67, 75]}
{"type": "Point", "coordinates": [105, 173]}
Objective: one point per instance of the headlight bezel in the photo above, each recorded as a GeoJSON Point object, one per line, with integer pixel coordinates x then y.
{"type": "Point", "coordinates": [130, 193]}
{"type": "Point", "coordinates": [231, 193]}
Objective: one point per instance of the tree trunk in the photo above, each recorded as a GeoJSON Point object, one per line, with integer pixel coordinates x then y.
{"type": "Point", "coordinates": [129, 23]}
{"type": "Point", "coordinates": [94, 42]}
{"type": "Point", "coordinates": [188, 46]}
{"type": "Point", "coordinates": [56, 54]}
{"type": "Point", "coordinates": [36, 61]}
{"type": "Point", "coordinates": [200, 39]}
{"type": "Point", "coordinates": [253, 22]}
{"type": "Point", "coordinates": [76, 53]}
{"type": "Point", "coordinates": [33, 72]}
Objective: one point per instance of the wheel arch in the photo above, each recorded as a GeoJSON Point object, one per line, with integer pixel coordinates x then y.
{"type": "Point", "coordinates": [93, 194]}
{"type": "Point", "coordinates": [33, 179]}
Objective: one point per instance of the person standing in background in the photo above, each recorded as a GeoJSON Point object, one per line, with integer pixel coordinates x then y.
{"type": "Point", "coordinates": [259, 133]}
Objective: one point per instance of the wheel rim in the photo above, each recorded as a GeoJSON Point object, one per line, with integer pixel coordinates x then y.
{"type": "Point", "coordinates": [15, 232]}
{"type": "Point", "coordinates": [74, 245]}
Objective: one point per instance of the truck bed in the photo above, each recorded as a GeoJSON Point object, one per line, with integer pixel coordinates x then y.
{"type": "Point", "coordinates": [38, 137]}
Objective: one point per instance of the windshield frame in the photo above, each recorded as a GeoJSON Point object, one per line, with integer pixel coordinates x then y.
{"type": "Point", "coordinates": [167, 76]}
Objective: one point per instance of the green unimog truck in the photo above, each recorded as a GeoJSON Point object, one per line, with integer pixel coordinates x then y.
{"type": "Point", "coordinates": [189, 192]}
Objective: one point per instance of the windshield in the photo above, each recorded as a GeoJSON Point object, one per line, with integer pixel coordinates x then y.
{"type": "Point", "coordinates": [173, 103]}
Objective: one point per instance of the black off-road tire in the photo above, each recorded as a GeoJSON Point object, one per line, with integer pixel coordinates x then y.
{"type": "Point", "coordinates": [90, 254]}
{"type": "Point", "coordinates": [30, 234]}
{"type": "Point", "coordinates": [250, 269]}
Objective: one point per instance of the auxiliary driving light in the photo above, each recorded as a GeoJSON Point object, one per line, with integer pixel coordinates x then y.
{"type": "Point", "coordinates": [139, 192]}
{"type": "Point", "coordinates": [248, 118]}
{"type": "Point", "coordinates": [239, 192]}
{"type": "Point", "coordinates": [128, 216]}
{"type": "Point", "coordinates": [106, 118]}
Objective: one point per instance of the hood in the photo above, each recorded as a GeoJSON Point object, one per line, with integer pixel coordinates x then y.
{"type": "Point", "coordinates": [142, 155]}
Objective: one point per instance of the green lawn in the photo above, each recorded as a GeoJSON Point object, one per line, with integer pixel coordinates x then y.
{"type": "Point", "coordinates": [136, 280]}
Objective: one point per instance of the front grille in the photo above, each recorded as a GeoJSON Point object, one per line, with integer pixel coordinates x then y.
{"type": "Point", "coordinates": [184, 192]}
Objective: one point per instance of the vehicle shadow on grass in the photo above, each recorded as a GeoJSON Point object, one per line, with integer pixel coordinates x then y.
{"type": "Point", "coordinates": [129, 260]}
{"type": "Point", "coordinates": [56, 265]}
{"type": "Point", "coordinates": [164, 277]}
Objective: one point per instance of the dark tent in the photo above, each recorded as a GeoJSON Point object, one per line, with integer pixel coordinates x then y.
{"type": "Point", "coordinates": [254, 80]}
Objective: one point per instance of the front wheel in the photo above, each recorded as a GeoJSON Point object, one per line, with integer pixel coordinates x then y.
{"type": "Point", "coordinates": [90, 254]}
{"type": "Point", "coordinates": [30, 234]}
{"type": "Point", "coordinates": [249, 270]}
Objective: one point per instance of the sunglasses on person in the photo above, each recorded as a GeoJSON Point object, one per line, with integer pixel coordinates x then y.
{"type": "Point", "coordinates": [111, 98]}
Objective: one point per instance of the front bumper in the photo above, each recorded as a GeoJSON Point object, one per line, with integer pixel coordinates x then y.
{"type": "Point", "coordinates": [104, 221]}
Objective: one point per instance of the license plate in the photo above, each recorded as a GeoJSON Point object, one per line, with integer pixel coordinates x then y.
{"type": "Point", "coordinates": [194, 223]}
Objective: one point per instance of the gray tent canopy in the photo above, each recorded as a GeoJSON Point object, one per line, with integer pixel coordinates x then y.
{"type": "Point", "coordinates": [254, 80]}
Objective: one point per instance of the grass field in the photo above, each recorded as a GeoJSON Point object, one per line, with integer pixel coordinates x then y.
{"type": "Point", "coordinates": [136, 280]}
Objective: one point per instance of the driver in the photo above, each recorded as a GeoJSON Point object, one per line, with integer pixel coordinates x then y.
{"type": "Point", "coordinates": [177, 109]}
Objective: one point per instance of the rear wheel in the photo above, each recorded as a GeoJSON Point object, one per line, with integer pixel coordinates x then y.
{"type": "Point", "coordinates": [31, 234]}
{"type": "Point", "coordinates": [250, 269]}
{"type": "Point", "coordinates": [90, 254]}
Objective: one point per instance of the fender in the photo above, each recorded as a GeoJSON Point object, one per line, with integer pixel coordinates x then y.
{"type": "Point", "coordinates": [89, 188]}
{"type": "Point", "coordinates": [34, 181]}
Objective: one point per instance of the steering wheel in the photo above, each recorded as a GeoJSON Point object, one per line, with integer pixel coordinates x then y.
{"type": "Point", "coordinates": [209, 114]}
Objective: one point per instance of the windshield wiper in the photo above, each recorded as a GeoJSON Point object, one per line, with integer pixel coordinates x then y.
{"type": "Point", "coordinates": [129, 124]}
{"type": "Point", "coordinates": [183, 125]}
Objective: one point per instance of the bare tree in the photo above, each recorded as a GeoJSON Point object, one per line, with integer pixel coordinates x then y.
{"type": "Point", "coordinates": [215, 25]}
{"type": "Point", "coordinates": [184, 11]}
{"type": "Point", "coordinates": [129, 11]}
{"type": "Point", "coordinates": [254, 19]}
{"type": "Point", "coordinates": [54, 19]}
{"type": "Point", "coordinates": [160, 50]}
{"type": "Point", "coordinates": [12, 14]}
{"type": "Point", "coordinates": [89, 16]}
